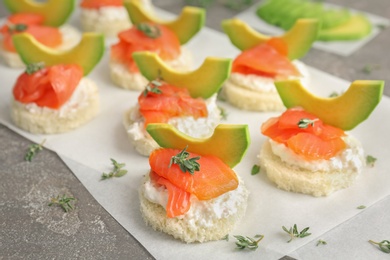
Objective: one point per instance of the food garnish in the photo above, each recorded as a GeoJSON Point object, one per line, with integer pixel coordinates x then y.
{"type": "Point", "coordinates": [293, 232]}
{"type": "Point", "coordinates": [191, 165]}
{"type": "Point", "coordinates": [384, 245]}
{"type": "Point", "coordinates": [255, 169]}
{"type": "Point", "coordinates": [19, 27]}
{"type": "Point", "coordinates": [321, 242]}
{"type": "Point", "coordinates": [64, 202]}
{"type": "Point", "coordinates": [34, 67]}
{"type": "Point", "coordinates": [306, 122]}
{"type": "Point", "coordinates": [152, 31]}
{"type": "Point", "coordinates": [361, 207]}
{"type": "Point", "coordinates": [248, 242]}
{"type": "Point", "coordinates": [225, 237]}
{"type": "Point", "coordinates": [153, 87]}
{"type": "Point", "coordinates": [33, 150]}
{"type": "Point", "coordinates": [117, 172]}
{"type": "Point", "coordinates": [370, 160]}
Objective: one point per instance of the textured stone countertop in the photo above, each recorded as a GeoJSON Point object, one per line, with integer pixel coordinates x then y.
{"type": "Point", "coordinates": [31, 230]}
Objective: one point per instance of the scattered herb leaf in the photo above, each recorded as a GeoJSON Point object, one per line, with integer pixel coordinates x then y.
{"type": "Point", "coordinates": [223, 113]}
{"type": "Point", "coordinates": [225, 237]}
{"type": "Point", "coordinates": [361, 207]}
{"type": "Point", "coordinates": [369, 68]}
{"type": "Point", "coordinates": [34, 67]}
{"type": "Point", "coordinates": [151, 31]}
{"type": "Point", "coordinates": [370, 160]}
{"type": "Point", "coordinates": [334, 94]}
{"type": "Point", "coordinates": [381, 26]}
{"type": "Point", "coordinates": [255, 169]}
{"type": "Point", "coordinates": [321, 242]}
{"type": "Point", "coordinates": [306, 122]}
{"type": "Point", "coordinates": [237, 4]}
{"type": "Point", "coordinates": [293, 232]}
{"type": "Point", "coordinates": [33, 150]}
{"type": "Point", "coordinates": [191, 165]}
{"type": "Point", "coordinates": [63, 202]}
{"type": "Point", "coordinates": [201, 3]}
{"type": "Point", "coordinates": [117, 172]}
{"type": "Point", "coordinates": [384, 245]}
{"type": "Point", "coordinates": [248, 242]}
{"type": "Point", "coordinates": [152, 87]}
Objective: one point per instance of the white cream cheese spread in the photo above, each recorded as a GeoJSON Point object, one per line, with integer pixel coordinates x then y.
{"type": "Point", "coordinates": [266, 84]}
{"type": "Point", "coordinates": [195, 127]}
{"type": "Point", "coordinates": [350, 159]}
{"type": "Point", "coordinates": [202, 213]}
{"type": "Point", "coordinates": [79, 99]}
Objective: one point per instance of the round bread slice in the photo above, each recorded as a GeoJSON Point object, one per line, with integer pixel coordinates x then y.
{"type": "Point", "coordinates": [107, 20]}
{"type": "Point", "coordinates": [39, 120]}
{"type": "Point", "coordinates": [248, 99]}
{"type": "Point", "coordinates": [187, 229]}
{"type": "Point", "coordinates": [289, 178]}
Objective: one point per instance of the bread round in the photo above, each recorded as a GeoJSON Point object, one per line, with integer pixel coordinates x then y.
{"type": "Point", "coordinates": [123, 78]}
{"type": "Point", "coordinates": [70, 37]}
{"type": "Point", "coordinates": [248, 99]}
{"type": "Point", "coordinates": [316, 183]}
{"type": "Point", "coordinates": [108, 20]}
{"type": "Point", "coordinates": [50, 121]}
{"type": "Point", "coordinates": [257, 93]}
{"type": "Point", "coordinates": [188, 230]}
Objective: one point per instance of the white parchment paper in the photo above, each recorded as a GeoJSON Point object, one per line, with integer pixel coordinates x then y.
{"type": "Point", "coordinates": [87, 151]}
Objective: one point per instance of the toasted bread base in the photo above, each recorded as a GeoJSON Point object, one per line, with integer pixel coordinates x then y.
{"type": "Point", "coordinates": [288, 178]}
{"type": "Point", "coordinates": [154, 215]}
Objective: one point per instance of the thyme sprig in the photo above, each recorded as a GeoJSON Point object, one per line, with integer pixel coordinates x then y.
{"type": "Point", "coordinates": [151, 31]}
{"type": "Point", "coordinates": [117, 172]}
{"type": "Point", "coordinates": [33, 150]}
{"type": "Point", "coordinates": [16, 27]}
{"type": "Point", "coordinates": [34, 67]}
{"type": "Point", "coordinates": [293, 232]}
{"type": "Point", "coordinates": [384, 245]}
{"type": "Point", "coordinates": [321, 242]}
{"type": "Point", "coordinates": [306, 122]}
{"type": "Point", "coordinates": [152, 87]}
{"type": "Point", "coordinates": [191, 165]}
{"type": "Point", "coordinates": [64, 202]}
{"type": "Point", "coordinates": [248, 242]}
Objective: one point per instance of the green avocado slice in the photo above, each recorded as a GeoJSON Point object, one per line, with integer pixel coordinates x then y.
{"type": "Point", "coordinates": [345, 111]}
{"type": "Point", "coordinates": [203, 82]}
{"type": "Point", "coordinates": [56, 12]}
{"type": "Point", "coordinates": [357, 27]}
{"type": "Point", "coordinates": [299, 38]}
{"type": "Point", "coordinates": [87, 53]}
{"type": "Point", "coordinates": [185, 26]}
{"type": "Point", "coordinates": [228, 142]}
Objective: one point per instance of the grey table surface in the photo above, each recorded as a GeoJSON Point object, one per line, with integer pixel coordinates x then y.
{"type": "Point", "coordinates": [29, 229]}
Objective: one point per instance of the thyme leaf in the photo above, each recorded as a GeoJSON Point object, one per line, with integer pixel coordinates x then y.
{"type": "Point", "coordinates": [223, 113]}
{"type": "Point", "coordinates": [321, 242]}
{"type": "Point", "coordinates": [191, 165]}
{"type": "Point", "coordinates": [384, 245]}
{"type": "Point", "coordinates": [64, 202]}
{"type": "Point", "coordinates": [152, 87]}
{"type": "Point", "coordinates": [306, 122]}
{"type": "Point", "coordinates": [151, 31]}
{"type": "Point", "coordinates": [117, 172]}
{"type": "Point", "coordinates": [17, 27]}
{"type": "Point", "coordinates": [255, 169]}
{"type": "Point", "coordinates": [293, 232]}
{"type": "Point", "coordinates": [370, 160]}
{"type": "Point", "coordinates": [248, 242]}
{"type": "Point", "coordinates": [225, 237]}
{"type": "Point", "coordinates": [34, 67]}
{"type": "Point", "coordinates": [361, 207]}
{"type": "Point", "coordinates": [33, 150]}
